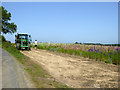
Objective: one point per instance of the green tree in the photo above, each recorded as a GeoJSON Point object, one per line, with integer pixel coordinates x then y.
{"type": "Point", "coordinates": [76, 43]}
{"type": "Point", "coordinates": [7, 26]}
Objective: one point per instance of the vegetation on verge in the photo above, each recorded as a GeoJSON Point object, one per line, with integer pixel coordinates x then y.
{"type": "Point", "coordinates": [108, 54]}
{"type": "Point", "coordinates": [40, 77]}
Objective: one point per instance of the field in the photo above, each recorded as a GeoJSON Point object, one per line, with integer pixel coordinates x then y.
{"type": "Point", "coordinates": [75, 71]}
{"type": "Point", "coordinates": [69, 65]}
{"type": "Point", "coordinates": [108, 54]}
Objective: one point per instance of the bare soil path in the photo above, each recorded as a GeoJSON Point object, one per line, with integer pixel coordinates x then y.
{"type": "Point", "coordinates": [76, 72]}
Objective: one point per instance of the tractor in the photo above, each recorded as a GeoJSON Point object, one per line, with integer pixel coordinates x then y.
{"type": "Point", "coordinates": [23, 41]}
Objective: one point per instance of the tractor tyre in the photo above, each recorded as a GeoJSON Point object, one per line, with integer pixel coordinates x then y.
{"type": "Point", "coordinates": [27, 48]}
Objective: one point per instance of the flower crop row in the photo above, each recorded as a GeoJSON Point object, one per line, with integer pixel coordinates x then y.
{"type": "Point", "coordinates": [109, 54]}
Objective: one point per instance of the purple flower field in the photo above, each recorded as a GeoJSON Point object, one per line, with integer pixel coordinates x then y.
{"type": "Point", "coordinates": [108, 54]}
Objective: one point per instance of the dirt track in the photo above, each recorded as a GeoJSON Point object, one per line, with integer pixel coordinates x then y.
{"type": "Point", "coordinates": [76, 72]}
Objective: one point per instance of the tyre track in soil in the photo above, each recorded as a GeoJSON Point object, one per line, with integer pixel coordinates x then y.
{"type": "Point", "coordinates": [76, 72]}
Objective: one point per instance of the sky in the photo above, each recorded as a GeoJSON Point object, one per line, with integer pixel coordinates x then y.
{"type": "Point", "coordinates": [65, 22]}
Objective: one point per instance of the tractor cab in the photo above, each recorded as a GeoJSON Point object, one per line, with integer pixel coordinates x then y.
{"type": "Point", "coordinates": [23, 41]}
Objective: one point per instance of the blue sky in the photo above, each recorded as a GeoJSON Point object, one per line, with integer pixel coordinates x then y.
{"type": "Point", "coordinates": [66, 22]}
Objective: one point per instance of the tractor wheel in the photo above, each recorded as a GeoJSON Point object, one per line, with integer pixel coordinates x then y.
{"type": "Point", "coordinates": [18, 46]}
{"type": "Point", "coordinates": [27, 48]}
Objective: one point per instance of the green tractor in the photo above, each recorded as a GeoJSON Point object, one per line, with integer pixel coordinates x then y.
{"type": "Point", "coordinates": [23, 41]}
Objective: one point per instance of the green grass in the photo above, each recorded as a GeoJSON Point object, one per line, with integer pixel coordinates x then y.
{"type": "Point", "coordinates": [108, 55]}
{"type": "Point", "coordinates": [39, 76]}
